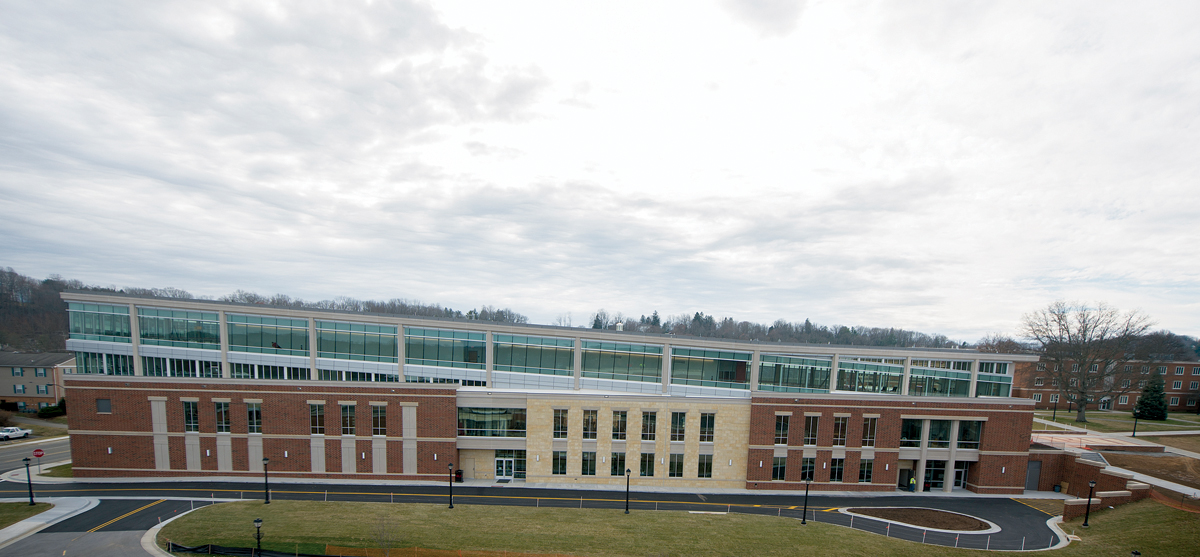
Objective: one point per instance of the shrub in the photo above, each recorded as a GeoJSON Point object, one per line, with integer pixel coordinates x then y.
{"type": "Point", "coordinates": [50, 412]}
{"type": "Point", "coordinates": [6, 418]}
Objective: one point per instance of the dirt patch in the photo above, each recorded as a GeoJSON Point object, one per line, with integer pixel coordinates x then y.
{"type": "Point", "coordinates": [1179, 469]}
{"type": "Point", "coordinates": [1052, 507]}
{"type": "Point", "coordinates": [924, 518]}
{"type": "Point", "coordinates": [1185, 442]}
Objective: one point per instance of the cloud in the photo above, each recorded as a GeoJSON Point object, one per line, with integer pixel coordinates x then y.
{"type": "Point", "coordinates": [767, 17]}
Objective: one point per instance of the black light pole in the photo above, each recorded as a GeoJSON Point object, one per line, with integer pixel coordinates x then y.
{"type": "Point", "coordinates": [450, 468]}
{"type": "Point", "coordinates": [1135, 419]}
{"type": "Point", "coordinates": [1054, 418]}
{"type": "Point", "coordinates": [1087, 512]}
{"type": "Point", "coordinates": [28, 479]}
{"type": "Point", "coordinates": [804, 517]}
{"type": "Point", "coordinates": [266, 485]}
{"type": "Point", "coordinates": [628, 474]}
{"type": "Point", "coordinates": [258, 535]}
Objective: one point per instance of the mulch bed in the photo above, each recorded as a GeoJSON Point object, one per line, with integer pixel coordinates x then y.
{"type": "Point", "coordinates": [924, 518]}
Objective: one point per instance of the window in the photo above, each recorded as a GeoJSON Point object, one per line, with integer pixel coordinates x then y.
{"type": "Point", "coordinates": [1038, 382]}
{"type": "Point", "coordinates": [1142, 384]}
{"type": "Point", "coordinates": [41, 372]}
{"type": "Point", "coordinates": [1191, 402]}
{"type": "Point", "coordinates": [1178, 370]}
{"type": "Point", "coordinates": [1177, 385]}
{"type": "Point", "coordinates": [779, 468]}
{"type": "Point", "coordinates": [839, 431]}
{"type": "Point", "coordinates": [1162, 370]}
{"type": "Point", "coordinates": [104, 406]}
{"type": "Point", "coordinates": [1041, 366]}
{"type": "Point", "coordinates": [618, 425]}
{"type": "Point", "coordinates": [781, 429]}
{"type": "Point", "coordinates": [1196, 371]}
{"type": "Point", "coordinates": [810, 429]}
{"type": "Point", "coordinates": [704, 470]}
{"type": "Point", "coordinates": [1123, 400]}
{"type": "Point", "coordinates": [1094, 368]}
{"type": "Point", "coordinates": [910, 433]}
{"type": "Point", "coordinates": [560, 424]}
{"type": "Point", "coordinates": [939, 434]}
{"type": "Point", "coordinates": [1174, 401]}
{"type": "Point", "coordinates": [864, 470]}
{"type": "Point", "coordinates": [1037, 397]}
{"type": "Point", "coordinates": [254, 417]}
{"type": "Point", "coordinates": [1074, 367]}
{"type": "Point", "coordinates": [969, 433]}
{"type": "Point", "coordinates": [649, 424]}
{"type": "Point", "coordinates": [191, 416]}
{"type": "Point", "coordinates": [589, 424]}
{"type": "Point", "coordinates": [835, 469]}
{"type": "Point", "coordinates": [347, 419]}
{"type": "Point", "coordinates": [617, 464]}
{"type": "Point", "coordinates": [1053, 382]}
{"type": "Point", "coordinates": [222, 417]}
{"type": "Point", "coordinates": [559, 467]}
{"type": "Point", "coordinates": [1053, 398]}
{"type": "Point", "coordinates": [19, 389]}
{"type": "Point", "coordinates": [1128, 369]}
{"type": "Point", "coordinates": [379, 420]}
{"type": "Point", "coordinates": [1145, 370]}
{"type": "Point", "coordinates": [807, 467]}
{"type": "Point", "coordinates": [18, 372]}
{"type": "Point", "coordinates": [1125, 384]}
{"type": "Point", "coordinates": [675, 467]}
{"type": "Point", "coordinates": [43, 389]}
{"type": "Point", "coordinates": [316, 419]}
{"type": "Point", "coordinates": [708, 424]}
{"type": "Point", "coordinates": [678, 424]}
{"type": "Point", "coordinates": [491, 422]}
{"type": "Point", "coordinates": [589, 463]}
{"type": "Point", "coordinates": [1194, 385]}
{"type": "Point", "coordinates": [647, 468]}
{"type": "Point", "coordinates": [869, 425]}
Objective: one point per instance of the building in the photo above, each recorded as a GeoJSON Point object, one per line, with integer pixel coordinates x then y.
{"type": "Point", "coordinates": [1181, 386]}
{"type": "Point", "coordinates": [168, 387]}
{"type": "Point", "coordinates": [32, 380]}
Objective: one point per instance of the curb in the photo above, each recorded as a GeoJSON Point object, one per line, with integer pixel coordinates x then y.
{"type": "Point", "coordinates": [33, 525]}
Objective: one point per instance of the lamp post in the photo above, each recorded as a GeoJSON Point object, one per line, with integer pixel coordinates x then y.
{"type": "Point", "coordinates": [1054, 418]}
{"type": "Point", "coordinates": [266, 484]}
{"type": "Point", "coordinates": [28, 479]}
{"type": "Point", "coordinates": [1136, 415]}
{"type": "Point", "coordinates": [1088, 511]}
{"type": "Point", "coordinates": [804, 517]}
{"type": "Point", "coordinates": [258, 535]}
{"type": "Point", "coordinates": [628, 474]}
{"type": "Point", "coordinates": [450, 469]}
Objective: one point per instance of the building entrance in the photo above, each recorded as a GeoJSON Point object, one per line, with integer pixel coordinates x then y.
{"type": "Point", "coordinates": [504, 468]}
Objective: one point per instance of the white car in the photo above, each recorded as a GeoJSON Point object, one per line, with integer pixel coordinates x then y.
{"type": "Point", "coordinates": [14, 432]}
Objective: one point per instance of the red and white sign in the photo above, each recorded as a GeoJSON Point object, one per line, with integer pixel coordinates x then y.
{"type": "Point", "coordinates": [39, 453]}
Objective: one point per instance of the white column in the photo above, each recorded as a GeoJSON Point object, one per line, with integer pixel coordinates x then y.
{"type": "Point", "coordinates": [408, 422]}
{"type": "Point", "coordinates": [135, 338]}
{"type": "Point", "coordinates": [753, 371]}
{"type": "Point", "coordinates": [666, 370]}
{"type": "Point", "coordinates": [924, 449]}
{"type": "Point", "coordinates": [312, 350]}
{"type": "Point", "coordinates": [948, 486]}
{"type": "Point", "coordinates": [975, 377]}
{"type": "Point", "coordinates": [223, 333]}
{"type": "Point", "coordinates": [907, 373]}
{"type": "Point", "coordinates": [489, 357]}
{"type": "Point", "coordinates": [578, 363]}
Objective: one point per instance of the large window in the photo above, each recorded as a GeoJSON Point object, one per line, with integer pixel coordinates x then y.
{"type": "Point", "coordinates": [938, 382]}
{"type": "Point", "coordinates": [865, 467]}
{"type": "Point", "coordinates": [649, 425]}
{"type": "Point", "coordinates": [560, 423]}
{"type": "Point", "coordinates": [910, 433]}
{"type": "Point", "coordinates": [491, 422]}
{"type": "Point", "coordinates": [939, 434]}
{"type": "Point", "coordinates": [810, 429]}
{"type": "Point", "coordinates": [254, 417]}
{"type": "Point", "coordinates": [807, 467]}
{"type": "Point", "coordinates": [617, 464]}
{"type": "Point", "coordinates": [678, 425]}
{"type": "Point", "coordinates": [836, 467]}
{"type": "Point", "coordinates": [619, 425]}
{"type": "Point", "coordinates": [378, 420]}
{"type": "Point", "coordinates": [558, 466]}
{"type": "Point", "coordinates": [840, 424]}
{"type": "Point", "coordinates": [222, 417]}
{"type": "Point", "coordinates": [356, 341]}
{"type": "Point", "coordinates": [588, 467]}
{"type": "Point", "coordinates": [992, 385]}
{"type": "Point", "coordinates": [316, 419]}
{"type": "Point", "coordinates": [590, 420]}
{"type": "Point", "coordinates": [708, 423]}
{"type": "Point", "coordinates": [647, 467]}
{"type": "Point", "coordinates": [870, 375]}
{"type": "Point", "coordinates": [704, 470]}
{"type": "Point", "coordinates": [103, 364]}
{"type": "Point", "coordinates": [782, 424]}
{"type": "Point", "coordinates": [185, 329]}
{"type": "Point", "coordinates": [99, 322]}
{"type": "Point", "coordinates": [710, 368]}
{"type": "Point", "coordinates": [267, 335]}
{"type": "Point", "coordinates": [348, 419]}
{"type": "Point", "coordinates": [624, 362]}
{"type": "Point", "coordinates": [444, 348]}
{"type": "Point", "coordinates": [969, 434]}
{"type": "Point", "coordinates": [191, 415]}
{"type": "Point", "coordinates": [868, 436]}
{"type": "Point", "coordinates": [526, 354]}
{"type": "Point", "coordinates": [779, 468]}
{"type": "Point", "coordinates": [793, 374]}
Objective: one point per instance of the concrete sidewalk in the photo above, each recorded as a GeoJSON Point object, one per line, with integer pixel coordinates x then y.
{"type": "Point", "coordinates": [64, 508]}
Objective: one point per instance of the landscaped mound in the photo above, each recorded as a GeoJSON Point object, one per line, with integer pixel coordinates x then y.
{"type": "Point", "coordinates": [924, 518]}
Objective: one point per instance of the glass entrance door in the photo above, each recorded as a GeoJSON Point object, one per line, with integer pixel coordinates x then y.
{"type": "Point", "coordinates": [504, 468]}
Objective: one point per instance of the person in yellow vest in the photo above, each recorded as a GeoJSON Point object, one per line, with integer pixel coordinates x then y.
{"type": "Point", "coordinates": [912, 485]}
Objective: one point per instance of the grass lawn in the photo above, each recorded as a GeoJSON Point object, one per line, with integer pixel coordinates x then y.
{"type": "Point", "coordinates": [12, 513]}
{"type": "Point", "coordinates": [63, 471]}
{"type": "Point", "coordinates": [1185, 442]}
{"type": "Point", "coordinates": [1179, 469]}
{"type": "Point", "coordinates": [1123, 421]}
{"type": "Point", "coordinates": [307, 527]}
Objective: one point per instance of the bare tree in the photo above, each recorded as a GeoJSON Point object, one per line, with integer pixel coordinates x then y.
{"type": "Point", "coordinates": [387, 534]}
{"type": "Point", "coordinates": [1087, 349]}
{"type": "Point", "coordinates": [996, 343]}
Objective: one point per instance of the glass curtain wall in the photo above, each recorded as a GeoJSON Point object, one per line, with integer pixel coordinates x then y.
{"type": "Point", "coordinates": [939, 378]}
{"type": "Point", "coordinates": [101, 322]}
{"type": "Point", "coordinates": [623, 362]}
{"type": "Point", "coordinates": [356, 341]}
{"type": "Point", "coordinates": [710, 368]}
{"type": "Point", "coordinates": [182, 329]}
{"type": "Point", "coordinates": [993, 379]}
{"type": "Point", "coordinates": [793, 374]}
{"type": "Point", "coordinates": [491, 422]}
{"type": "Point", "coordinates": [103, 364]}
{"type": "Point", "coordinates": [444, 348]}
{"type": "Point", "coordinates": [525, 354]}
{"type": "Point", "coordinates": [870, 375]}
{"type": "Point", "coordinates": [267, 335]}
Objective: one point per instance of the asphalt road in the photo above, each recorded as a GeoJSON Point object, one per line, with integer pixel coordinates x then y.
{"type": "Point", "coordinates": [57, 449]}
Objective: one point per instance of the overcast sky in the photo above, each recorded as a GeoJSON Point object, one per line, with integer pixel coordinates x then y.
{"type": "Point", "coordinates": [936, 166]}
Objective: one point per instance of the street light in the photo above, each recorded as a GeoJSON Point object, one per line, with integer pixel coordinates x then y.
{"type": "Point", "coordinates": [628, 474]}
{"type": "Point", "coordinates": [1136, 415]}
{"type": "Point", "coordinates": [258, 535]}
{"type": "Point", "coordinates": [28, 479]}
{"type": "Point", "coordinates": [266, 485]}
{"type": "Point", "coordinates": [1087, 512]}
{"type": "Point", "coordinates": [804, 517]}
{"type": "Point", "coordinates": [1054, 418]}
{"type": "Point", "coordinates": [450, 469]}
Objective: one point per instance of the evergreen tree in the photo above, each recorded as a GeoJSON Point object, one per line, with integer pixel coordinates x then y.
{"type": "Point", "coordinates": [1152, 405]}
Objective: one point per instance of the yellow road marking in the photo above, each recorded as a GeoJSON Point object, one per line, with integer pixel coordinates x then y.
{"type": "Point", "coordinates": [133, 512]}
{"type": "Point", "coordinates": [829, 510]}
{"type": "Point", "coordinates": [1032, 507]}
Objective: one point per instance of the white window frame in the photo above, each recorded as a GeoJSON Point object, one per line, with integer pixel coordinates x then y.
{"type": "Point", "coordinates": [1123, 399]}
{"type": "Point", "coordinates": [1037, 397]}
{"type": "Point", "coordinates": [18, 389]}
{"type": "Point", "coordinates": [1177, 385]}
{"type": "Point", "coordinates": [1178, 370]}
{"type": "Point", "coordinates": [1174, 401]}
{"type": "Point", "coordinates": [1039, 381]}
{"type": "Point", "coordinates": [1053, 398]}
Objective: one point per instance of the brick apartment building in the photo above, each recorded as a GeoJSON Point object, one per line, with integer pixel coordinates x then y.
{"type": "Point", "coordinates": [1181, 386]}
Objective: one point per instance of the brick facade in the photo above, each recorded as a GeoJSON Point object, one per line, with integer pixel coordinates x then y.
{"type": "Point", "coordinates": [1186, 395]}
